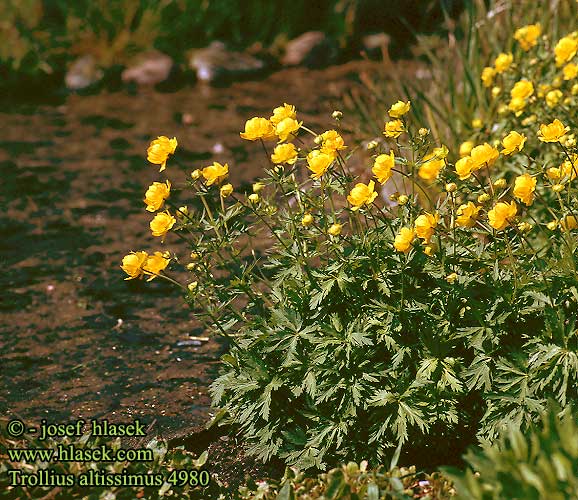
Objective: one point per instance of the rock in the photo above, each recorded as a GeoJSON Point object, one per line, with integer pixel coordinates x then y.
{"type": "Point", "coordinates": [149, 69]}
{"type": "Point", "coordinates": [376, 44]}
{"type": "Point", "coordinates": [312, 49]}
{"type": "Point", "coordinates": [216, 63]}
{"type": "Point", "coordinates": [83, 73]}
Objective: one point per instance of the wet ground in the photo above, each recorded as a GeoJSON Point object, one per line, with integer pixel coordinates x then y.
{"type": "Point", "coordinates": [77, 341]}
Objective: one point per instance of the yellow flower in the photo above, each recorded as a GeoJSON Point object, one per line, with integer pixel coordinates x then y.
{"type": "Point", "coordinates": [464, 167]}
{"type": "Point", "coordinates": [570, 167]}
{"type": "Point", "coordinates": [553, 98]}
{"type": "Point", "coordinates": [160, 149]}
{"type": "Point", "coordinates": [362, 194]}
{"type": "Point", "coordinates": [466, 148]}
{"type": "Point", "coordinates": [524, 188]}
{"type": "Point", "coordinates": [467, 214]}
{"type": "Point", "coordinates": [399, 109]}
{"type": "Point", "coordinates": [484, 155]}
{"type": "Point", "coordinates": [570, 71]}
{"type": "Point", "coordinates": [335, 229]}
{"type": "Point", "coordinates": [155, 264]}
{"type": "Point", "coordinates": [558, 188]}
{"type": "Point", "coordinates": [402, 199]}
{"type": "Point", "coordinates": [215, 173]}
{"type": "Point", "coordinates": [132, 264]}
{"type": "Point", "coordinates": [282, 112]}
{"type": "Point", "coordinates": [513, 143]}
{"type": "Point", "coordinates": [500, 183]}
{"type": "Point", "coordinates": [287, 128]}
{"type": "Point", "coordinates": [488, 74]}
{"type": "Point", "coordinates": [331, 142]}
{"type": "Point", "coordinates": [258, 187]}
{"type": "Point", "coordinates": [425, 225]}
{"type": "Point", "coordinates": [307, 220]}
{"type": "Point", "coordinates": [503, 62]}
{"type": "Point", "coordinates": [451, 278]}
{"type": "Point", "coordinates": [156, 195]}
{"type": "Point", "coordinates": [501, 213]}
{"type": "Point", "coordinates": [569, 222]}
{"type": "Point", "coordinates": [496, 91]}
{"type": "Point", "coordinates": [552, 132]}
{"type": "Point", "coordinates": [162, 224]}
{"type": "Point", "coordinates": [318, 162]}
{"type": "Point", "coordinates": [403, 240]}
{"type": "Point", "coordinates": [517, 105]}
{"type": "Point", "coordinates": [226, 190]}
{"type": "Point", "coordinates": [431, 167]}
{"type": "Point", "coordinates": [284, 153]}
{"type": "Point", "coordinates": [565, 50]}
{"type": "Point", "coordinates": [382, 167]}
{"type": "Point", "coordinates": [393, 128]}
{"type": "Point", "coordinates": [477, 123]}
{"type": "Point", "coordinates": [451, 187]}
{"type": "Point", "coordinates": [522, 90]}
{"type": "Point", "coordinates": [554, 173]}
{"type": "Point", "coordinates": [258, 128]}
{"type": "Point", "coordinates": [527, 36]}
{"type": "Point", "coordinates": [195, 174]}
{"type": "Point", "coordinates": [552, 225]}
{"type": "Point", "coordinates": [484, 197]}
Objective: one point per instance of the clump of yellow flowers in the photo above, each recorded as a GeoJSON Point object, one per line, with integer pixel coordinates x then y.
{"type": "Point", "coordinates": [363, 298]}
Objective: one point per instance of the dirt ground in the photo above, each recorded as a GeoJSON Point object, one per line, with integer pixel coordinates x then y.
{"type": "Point", "coordinates": [77, 341]}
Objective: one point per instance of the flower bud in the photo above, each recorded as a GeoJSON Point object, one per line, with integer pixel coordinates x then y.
{"type": "Point", "coordinates": [423, 132]}
{"type": "Point", "coordinates": [372, 145]}
{"type": "Point", "coordinates": [483, 198]}
{"type": "Point", "coordinates": [183, 211]}
{"type": "Point", "coordinates": [477, 123]}
{"type": "Point", "coordinates": [191, 266]}
{"type": "Point", "coordinates": [500, 183]}
{"type": "Point", "coordinates": [254, 198]}
{"type": "Point", "coordinates": [195, 174]}
{"type": "Point", "coordinates": [257, 187]}
{"type": "Point", "coordinates": [307, 220]}
{"type": "Point", "coordinates": [192, 286]}
{"type": "Point", "coordinates": [394, 196]}
{"type": "Point", "coordinates": [402, 200]}
{"type": "Point", "coordinates": [451, 187]}
{"type": "Point", "coordinates": [335, 230]}
{"type": "Point", "coordinates": [557, 188]}
{"type": "Point", "coordinates": [524, 227]}
{"type": "Point", "coordinates": [337, 114]}
{"type": "Point", "coordinates": [496, 91]}
{"type": "Point", "coordinates": [195, 256]}
{"type": "Point", "coordinates": [226, 190]}
{"type": "Point", "coordinates": [451, 278]}
{"type": "Point", "coordinates": [552, 225]}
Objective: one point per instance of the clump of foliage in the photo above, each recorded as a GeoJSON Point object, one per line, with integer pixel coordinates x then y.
{"type": "Point", "coordinates": [353, 481]}
{"type": "Point", "coordinates": [543, 463]}
{"type": "Point", "coordinates": [447, 311]}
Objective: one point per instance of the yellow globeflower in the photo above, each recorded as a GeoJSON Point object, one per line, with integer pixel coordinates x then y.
{"type": "Point", "coordinates": [335, 229]}
{"type": "Point", "coordinates": [570, 167]}
{"type": "Point", "coordinates": [565, 50]}
{"type": "Point", "coordinates": [524, 188]}
{"type": "Point", "coordinates": [132, 264]}
{"type": "Point", "coordinates": [522, 90]}
{"type": "Point", "coordinates": [160, 149]}
{"type": "Point", "coordinates": [287, 128]}
{"type": "Point", "coordinates": [399, 109]}
{"type": "Point", "coordinates": [155, 264]}
{"type": "Point", "coordinates": [156, 195]}
{"type": "Point", "coordinates": [307, 220]}
{"type": "Point", "coordinates": [513, 143]}
{"type": "Point", "coordinates": [362, 194]}
{"type": "Point", "coordinates": [431, 167]}
{"type": "Point", "coordinates": [403, 240]}
{"type": "Point", "coordinates": [162, 224]}
{"type": "Point", "coordinates": [393, 128]}
{"type": "Point", "coordinates": [570, 71]}
{"type": "Point", "coordinates": [282, 112]}
{"type": "Point", "coordinates": [467, 214]}
{"type": "Point", "coordinates": [226, 190]}
{"type": "Point", "coordinates": [382, 167]}
{"type": "Point", "coordinates": [318, 162]}
{"type": "Point", "coordinates": [331, 142]}
{"type": "Point", "coordinates": [425, 225]}
{"type": "Point", "coordinates": [503, 62]}
{"type": "Point", "coordinates": [552, 132]}
{"type": "Point", "coordinates": [488, 74]}
{"type": "Point", "coordinates": [499, 217]}
{"type": "Point", "coordinates": [284, 153]}
{"type": "Point", "coordinates": [517, 105]}
{"type": "Point", "coordinates": [466, 148]}
{"type": "Point", "coordinates": [258, 128]}
{"type": "Point", "coordinates": [569, 222]}
{"type": "Point", "coordinates": [484, 155]}
{"type": "Point", "coordinates": [527, 36]}
{"type": "Point", "coordinates": [553, 98]}
{"type": "Point", "coordinates": [464, 167]}
{"type": "Point", "coordinates": [215, 173]}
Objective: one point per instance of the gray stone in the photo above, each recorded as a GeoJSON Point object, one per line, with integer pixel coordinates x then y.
{"type": "Point", "coordinates": [149, 68]}
{"type": "Point", "coordinates": [83, 73]}
{"type": "Point", "coordinates": [312, 49]}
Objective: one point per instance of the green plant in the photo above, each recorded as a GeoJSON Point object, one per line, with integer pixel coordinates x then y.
{"type": "Point", "coordinates": [541, 463]}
